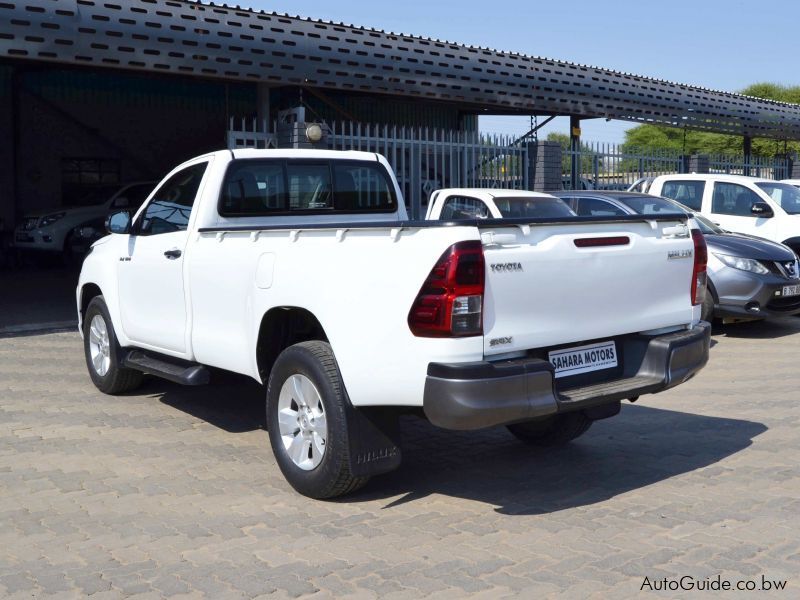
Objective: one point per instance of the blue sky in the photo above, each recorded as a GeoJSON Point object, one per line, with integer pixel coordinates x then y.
{"type": "Point", "coordinates": [717, 44]}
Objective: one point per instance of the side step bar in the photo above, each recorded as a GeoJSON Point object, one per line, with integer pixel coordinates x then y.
{"type": "Point", "coordinates": [167, 368]}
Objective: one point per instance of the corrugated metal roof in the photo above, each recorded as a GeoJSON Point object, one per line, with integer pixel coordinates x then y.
{"type": "Point", "coordinates": [486, 48]}
{"type": "Point", "coordinates": [193, 38]}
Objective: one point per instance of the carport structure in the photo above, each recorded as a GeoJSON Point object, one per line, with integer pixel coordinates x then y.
{"type": "Point", "coordinates": [269, 60]}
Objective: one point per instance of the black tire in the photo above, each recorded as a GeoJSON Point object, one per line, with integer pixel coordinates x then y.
{"type": "Point", "coordinates": [707, 313]}
{"type": "Point", "coordinates": [332, 476]}
{"type": "Point", "coordinates": [117, 379]}
{"type": "Point", "coordinates": [554, 431]}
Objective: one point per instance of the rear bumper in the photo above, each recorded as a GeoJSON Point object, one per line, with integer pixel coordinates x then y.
{"type": "Point", "coordinates": [484, 394]}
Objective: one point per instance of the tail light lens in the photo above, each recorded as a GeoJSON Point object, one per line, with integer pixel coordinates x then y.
{"type": "Point", "coordinates": [450, 302]}
{"type": "Point", "coordinates": [699, 277]}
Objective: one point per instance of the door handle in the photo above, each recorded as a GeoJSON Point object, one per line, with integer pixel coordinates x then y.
{"type": "Point", "coordinates": [173, 254]}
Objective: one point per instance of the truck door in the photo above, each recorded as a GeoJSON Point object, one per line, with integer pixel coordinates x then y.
{"type": "Point", "coordinates": [731, 205]}
{"type": "Point", "coordinates": [151, 279]}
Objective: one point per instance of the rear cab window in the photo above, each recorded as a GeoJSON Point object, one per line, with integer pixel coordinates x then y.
{"type": "Point", "coordinates": [688, 192]}
{"type": "Point", "coordinates": [264, 187]}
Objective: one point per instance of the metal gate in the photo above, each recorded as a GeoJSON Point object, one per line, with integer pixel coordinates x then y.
{"type": "Point", "coordinates": [426, 159]}
{"type": "Point", "coordinates": [767, 167]}
{"type": "Point", "coordinates": [612, 166]}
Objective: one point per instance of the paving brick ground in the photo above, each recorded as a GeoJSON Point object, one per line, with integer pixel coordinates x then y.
{"type": "Point", "coordinates": [174, 492]}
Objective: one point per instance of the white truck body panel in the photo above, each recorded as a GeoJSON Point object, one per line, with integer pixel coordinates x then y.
{"type": "Point", "coordinates": [554, 289]}
{"type": "Point", "coordinates": [361, 282]}
{"type": "Point", "coordinates": [778, 228]}
{"type": "Point", "coordinates": [597, 290]}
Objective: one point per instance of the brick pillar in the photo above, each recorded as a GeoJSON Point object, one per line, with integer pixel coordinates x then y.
{"type": "Point", "coordinates": [545, 169]}
{"type": "Point", "coordinates": [698, 163]}
{"type": "Point", "coordinates": [794, 167]}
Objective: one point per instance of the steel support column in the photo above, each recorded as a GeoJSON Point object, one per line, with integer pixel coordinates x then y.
{"type": "Point", "coordinates": [575, 147]}
{"type": "Point", "coordinates": [263, 106]}
{"type": "Point", "coordinates": [15, 142]}
{"type": "Point", "coordinates": [747, 145]}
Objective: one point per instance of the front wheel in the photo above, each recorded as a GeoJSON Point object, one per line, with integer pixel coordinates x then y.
{"type": "Point", "coordinates": [307, 422]}
{"type": "Point", "coordinates": [553, 431]}
{"type": "Point", "coordinates": [103, 352]}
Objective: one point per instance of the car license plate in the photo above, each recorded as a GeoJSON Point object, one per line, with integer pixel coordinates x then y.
{"type": "Point", "coordinates": [791, 290]}
{"type": "Point", "coordinates": [584, 359]}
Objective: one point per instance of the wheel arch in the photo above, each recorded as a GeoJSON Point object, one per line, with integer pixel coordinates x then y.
{"type": "Point", "coordinates": [713, 291]}
{"type": "Point", "coordinates": [794, 244]}
{"type": "Point", "coordinates": [89, 291]}
{"type": "Point", "coordinates": [280, 328]}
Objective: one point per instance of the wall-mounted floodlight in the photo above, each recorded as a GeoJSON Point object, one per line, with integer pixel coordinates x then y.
{"type": "Point", "coordinates": [314, 133]}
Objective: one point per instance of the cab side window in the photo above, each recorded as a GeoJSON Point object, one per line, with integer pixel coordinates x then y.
{"type": "Point", "coordinates": [733, 199]}
{"type": "Point", "coordinates": [688, 193]}
{"type": "Point", "coordinates": [463, 207]}
{"type": "Point", "coordinates": [171, 205]}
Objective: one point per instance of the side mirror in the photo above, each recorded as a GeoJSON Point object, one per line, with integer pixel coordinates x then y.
{"type": "Point", "coordinates": [762, 210]}
{"type": "Point", "coordinates": [119, 222]}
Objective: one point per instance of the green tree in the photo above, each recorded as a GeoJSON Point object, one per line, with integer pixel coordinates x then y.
{"type": "Point", "coordinates": [587, 163]}
{"type": "Point", "coordinates": [649, 137]}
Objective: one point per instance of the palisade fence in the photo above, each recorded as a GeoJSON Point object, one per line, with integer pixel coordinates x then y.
{"type": "Point", "coordinates": [426, 159]}
{"type": "Point", "coordinates": [612, 166]}
{"type": "Point", "coordinates": [755, 166]}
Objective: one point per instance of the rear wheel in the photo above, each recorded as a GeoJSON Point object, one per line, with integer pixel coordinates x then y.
{"type": "Point", "coordinates": [103, 353]}
{"type": "Point", "coordinates": [307, 422]}
{"type": "Point", "coordinates": [707, 313]}
{"type": "Point", "coordinates": [553, 431]}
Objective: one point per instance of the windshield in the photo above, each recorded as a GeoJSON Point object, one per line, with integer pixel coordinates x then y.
{"type": "Point", "coordinates": [786, 195]}
{"type": "Point", "coordinates": [535, 208]}
{"type": "Point", "coordinates": [97, 196]}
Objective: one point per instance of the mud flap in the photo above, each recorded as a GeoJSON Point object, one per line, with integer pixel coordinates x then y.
{"type": "Point", "coordinates": [374, 437]}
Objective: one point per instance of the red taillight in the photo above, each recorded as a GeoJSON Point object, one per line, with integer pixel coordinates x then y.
{"type": "Point", "coordinates": [450, 302]}
{"type": "Point", "coordinates": [699, 276]}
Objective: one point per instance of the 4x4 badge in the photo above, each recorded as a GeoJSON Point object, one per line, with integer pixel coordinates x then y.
{"type": "Point", "coordinates": [679, 254]}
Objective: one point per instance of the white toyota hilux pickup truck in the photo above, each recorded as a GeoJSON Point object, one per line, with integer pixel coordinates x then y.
{"type": "Point", "coordinates": [301, 270]}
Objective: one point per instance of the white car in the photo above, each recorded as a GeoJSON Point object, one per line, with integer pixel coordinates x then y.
{"type": "Point", "coordinates": [455, 204]}
{"type": "Point", "coordinates": [760, 207]}
{"type": "Point", "coordinates": [299, 268]}
{"type": "Point", "coordinates": [794, 182]}
{"type": "Point", "coordinates": [49, 230]}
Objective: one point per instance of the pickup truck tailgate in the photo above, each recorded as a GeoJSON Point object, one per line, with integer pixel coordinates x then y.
{"type": "Point", "coordinates": [552, 284]}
